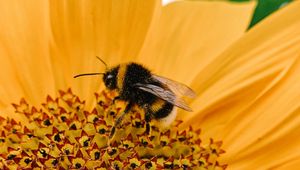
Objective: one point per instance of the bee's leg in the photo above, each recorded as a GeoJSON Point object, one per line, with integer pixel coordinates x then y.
{"type": "Point", "coordinates": [148, 116]}
{"type": "Point", "coordinates": [119, 119]}
{"type": "Point", "coordinates": [148, 119]}
{"type": "Point", "coordinates": [115, 99]}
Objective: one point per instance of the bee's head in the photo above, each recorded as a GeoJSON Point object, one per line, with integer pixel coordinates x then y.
{"type": "Point", "coordinates": [110, 78]}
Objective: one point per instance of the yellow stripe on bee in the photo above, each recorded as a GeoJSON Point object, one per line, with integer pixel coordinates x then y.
{"type": "Point", "coordinates": [121, 76]}
{"type": "Point", "coordinates": [157, 105]}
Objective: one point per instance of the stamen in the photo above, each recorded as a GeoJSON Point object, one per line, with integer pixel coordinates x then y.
{"type": "Point", "coordinates": [62, 134]}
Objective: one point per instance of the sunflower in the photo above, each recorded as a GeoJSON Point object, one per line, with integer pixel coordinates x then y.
{"type": "Point", "coordinates": [247, 84]}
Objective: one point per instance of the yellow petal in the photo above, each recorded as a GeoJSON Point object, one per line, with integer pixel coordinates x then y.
{"type": "Point", "coordinates": [290, 164]}
{"type": "Point", "coordinates": [24, 52]}
{"type": "Point", "coordinates": [249, 95]}
{"type": "Point", "coordinates": [112, 30]}
{"type": "Point", "coordinates": [45, 43]}
{"type": "Point", "coordinates": [190, 34]}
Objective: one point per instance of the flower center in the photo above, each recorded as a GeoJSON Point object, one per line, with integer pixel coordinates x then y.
{"type": "Point", "coordinates": [63, 134]}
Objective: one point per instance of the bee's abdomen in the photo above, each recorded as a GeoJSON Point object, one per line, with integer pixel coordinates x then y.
{"type": "Point", "coordinates": [163, 111]}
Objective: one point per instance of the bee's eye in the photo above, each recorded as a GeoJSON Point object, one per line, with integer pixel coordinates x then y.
{"type": "Point", "coordinates": [109, 76]}
{"type": "Point", "coordinates": [110, 80]}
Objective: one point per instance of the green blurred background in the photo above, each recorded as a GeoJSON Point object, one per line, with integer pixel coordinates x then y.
{"type": "Point", "coordinates": [265, 8]}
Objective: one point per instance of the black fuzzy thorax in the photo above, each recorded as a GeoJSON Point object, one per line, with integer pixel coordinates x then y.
{"type": "Point", "coordinates": [136, 73]}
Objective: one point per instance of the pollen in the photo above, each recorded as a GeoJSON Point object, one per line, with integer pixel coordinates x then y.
{"type": "Point", "coordinates": [62, 134]}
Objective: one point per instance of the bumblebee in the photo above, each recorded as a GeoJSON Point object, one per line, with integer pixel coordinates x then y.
{"type": "Point", "coordinates": [155, 94]}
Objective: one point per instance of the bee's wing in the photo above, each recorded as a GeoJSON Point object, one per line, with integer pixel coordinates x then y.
{"type": "Point", "coordinates": [178, 88]}
{"type": "Point", "coordinates": [164, 94]}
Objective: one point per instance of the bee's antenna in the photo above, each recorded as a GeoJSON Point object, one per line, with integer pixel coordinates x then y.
{"type": "Point", "coordinates": [87, 74]}
{"type": "Point", "coordinates": [102, 61]}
